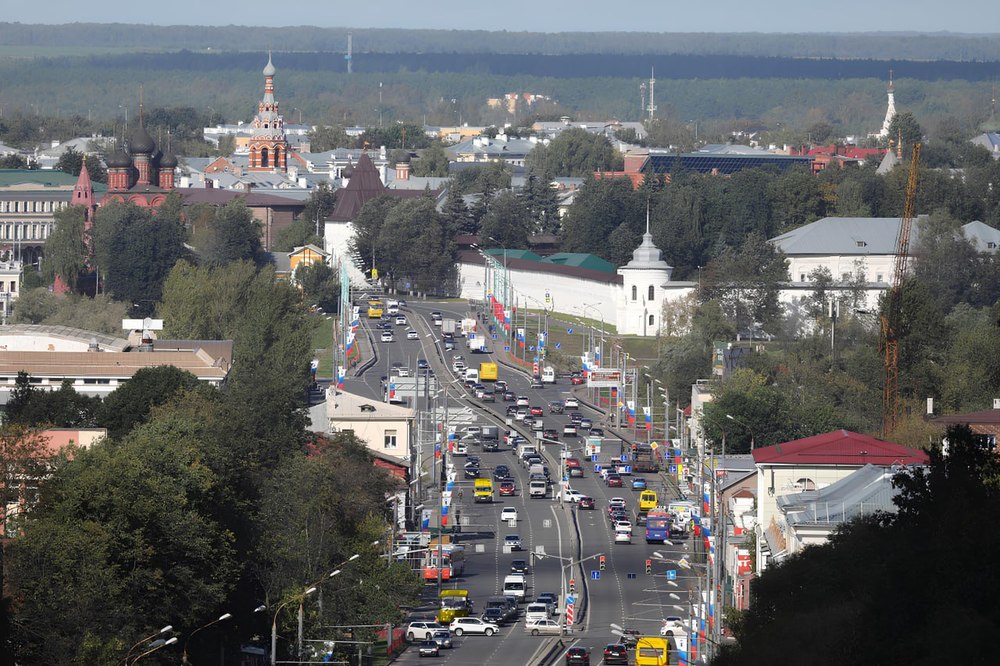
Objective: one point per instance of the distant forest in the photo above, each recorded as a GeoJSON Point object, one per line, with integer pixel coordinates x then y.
{"type": "Point", "coordinates": [871, 45]}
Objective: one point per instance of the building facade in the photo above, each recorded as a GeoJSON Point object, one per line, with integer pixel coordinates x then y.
{"type": "Point", "coordinates": [268, 146]}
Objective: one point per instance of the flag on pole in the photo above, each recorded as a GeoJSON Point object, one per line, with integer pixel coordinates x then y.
{"type": "Point", "coordinates": [649, 418]}
{"type": "Point", "coordinates": [341, 373]}
{"type": "Point", "coordinates": [631, 413]}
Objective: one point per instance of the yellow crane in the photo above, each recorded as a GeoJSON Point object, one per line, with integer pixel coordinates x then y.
{"type": "Point", "coordinates": [891, 316]}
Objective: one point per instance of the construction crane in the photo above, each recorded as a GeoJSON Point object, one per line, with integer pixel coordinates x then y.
{"type": "Point", "coordinates": [892, 315]}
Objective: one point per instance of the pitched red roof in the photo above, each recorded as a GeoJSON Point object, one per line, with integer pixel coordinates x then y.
{"type": "Point", "coordinates": [983, 417]}
{"type": "Point", "coordinates": [840, 447]}
{"type": "Point", "coordinates": [363, 186]}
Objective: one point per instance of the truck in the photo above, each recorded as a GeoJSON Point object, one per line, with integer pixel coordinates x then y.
{"type": "Point", "coordinates": [487, 372]}
{"type": "Point", "coordinates": [548, 375]}
{"type": "Point", "coordinates": [477, 344]}
{"type": "Point", "coordinates": [484, 490]}
{"type": "Point", "coordinates": [468, 326]}
{"type": "Point", "coordinates": [490, 433]}
{"type": "Point", "coordinates": [449, 326]}
{"type": "Point", "coordinates": [645, 459]}
{"type": "Point", "coordinates": [525, 448]}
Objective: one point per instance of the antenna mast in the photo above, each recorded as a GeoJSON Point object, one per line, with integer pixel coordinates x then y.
{"type": "Point", "coordinates": [350, 53]}
{"type": "Point", "coordinates": [652, 94]}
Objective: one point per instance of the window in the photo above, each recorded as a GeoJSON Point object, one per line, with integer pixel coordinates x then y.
{"type": "Point", "coordinates": [845, 277]}
{"type": "Point", "coordinates": [264, 157]}
{"type": "Point", "coordinates": [878, 277]}
{"type": "Point", "coordinates": [802, 277]}
{"type": "Point", "coordinates": [861, 243]}
{"type": "Point", "coordinates": [651, 292]}
{"type": "Point", "coordinates": [635, 292]}
{"type": "Point", "coordinates": [650, 320]}
{"type": "Point", "coordinates": [390, 439]}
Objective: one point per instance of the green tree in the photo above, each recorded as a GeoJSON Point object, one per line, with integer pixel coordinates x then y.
{"type": "Point", "coordinates": [136, 249]}
{"type": "Point", "coordinates": [796, 199]}
{"type": "Point", "coordinates": [65, 249]}
{"type": "Point", "coordinates": [506, 223]}
{"type": "Point", "coordinates": [904, 127]}
{"type": "Point", "coordinates": [100, 314]}
{"type": "Point", "coordinates": [367, 230]}
{"type": "Point", "coordinates": [130, 405]}
{"type": "Point", "coordinates": [433, 161]}
{"type": "Point", "coordinates": [233, 236]}
{"type": "Point", "coordinates": [71, 162]}
{"type": "Point", "coordinates": [599, 207]}
{"type": "Point", "coordinates": [414, 241]}
{"type": "Point", "coordinates": [541, 202]}
{"type": "Point", "coordinates": [482, 178]}
{"type": "Point", "coordinates": [621, 244]}
{"type": "Point", "coordinates": [456, 214]}
{"type": "Point", "coordinates": [575, 152]}
{"type": "Point", "coordinates": [319, 284]}
{"type": "Point", "coordinates": [329, 137]}
{"type": "Point", "coordinates": [746, 283]}
{"type": "Point", "coordinates": [14, 161]}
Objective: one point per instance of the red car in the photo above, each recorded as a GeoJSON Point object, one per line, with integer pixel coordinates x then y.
{"type": "Point", "coordinates": [614, 481]}
{"type": "Point", "coordinates": [537, 411]}
{"type": "Point", "coordinates": [577, 381]}
{"type": "Point", "coordinates": [572, 462]}
{"type": "Point", "coordinates": [507, 488]}
{"type": "Point", "coordinates": [586, 503]}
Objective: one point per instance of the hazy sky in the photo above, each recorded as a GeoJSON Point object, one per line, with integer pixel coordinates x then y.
{"type": "Point", "coordinates": [538, 15]}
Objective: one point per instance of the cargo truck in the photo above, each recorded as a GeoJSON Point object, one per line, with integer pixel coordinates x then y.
{"type": "Point", "coordinates": [468, 326]}
{"type": "Point", "coordinates": [484, 490]}
{"type": "Point", "coordinates": [645, 459]}
{"type": "Point", "coordinates": [449, 326]}
{"type": "Point", "coordinates": [487, 372]}
{"type": "Point", "coordinates": [477, 344]}
{"type": "Point", "coordinates": [489, 433]}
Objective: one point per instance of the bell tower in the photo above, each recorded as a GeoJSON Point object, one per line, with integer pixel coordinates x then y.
{"type": "Point", "coordinates": [268, 147]}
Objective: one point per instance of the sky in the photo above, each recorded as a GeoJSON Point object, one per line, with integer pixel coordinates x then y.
{"type": "Point", "coordinates": [970, 16]}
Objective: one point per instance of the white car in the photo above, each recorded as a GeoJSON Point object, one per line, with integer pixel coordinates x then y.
{"type": "Point", "coordinates": [571, 495]}
{"type": "Point", "coordinates": [472, 625]}
{"type": "Point", "coordinates": [508, 513]}
{"type": "Point", "coordinates": [400, 320]}
{"type": "Point", "coordinates": [623, 537]}
{"type": "Point", "coordinates": [387, 336]}
{"type": "Point", "coordinates": [617, 502]}
{"type": "Point", "coordinates": [522, 401]}
{"type": "Point", "coordinates": [571, 402]}
{"type": "Point", "coordinates": [543, 627]}
{"type": "Point", "coordinates": [412, 335]}
{"type": "Point", "coordinates": [512, 540]}
{"type": "Point", "coordinates": [623, 526]}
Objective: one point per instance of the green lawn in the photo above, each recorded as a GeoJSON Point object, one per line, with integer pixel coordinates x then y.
{"type": "Point", "coordinates": [322, 343]}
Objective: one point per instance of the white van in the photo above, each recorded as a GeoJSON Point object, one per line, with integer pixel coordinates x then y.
{"type": "Point", "coordinates": [392, 307]}
{"type": "Point", "coordinates": [538, 489]}
{"type": "Point", "coordinates": [535, 612]}
{"type": "Point", "coordinates": [515, 586]}
{"type": "Point", "coordinates": [472, 374]}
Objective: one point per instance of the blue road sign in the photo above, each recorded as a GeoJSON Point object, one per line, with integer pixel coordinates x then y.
{"type": "Point", "coordinates": [624, 457]}
{"type": "Point", "coordinates": [536, 358]}
{"type": "Point", "coordinates": [558, 345]}
{"type": "Point", "coordinates": [506, 348]}
{"type": "Point", "coordinates": [627, 469]}
{"type": "Point", "coordinates": [597, 468]}
{"type": "Point", "coordinates": [494, 336]}
{"type": "Point", "coordinates": [570, 599]}
{"type": "Point", "coordinates": [570, 331]}
{"type": "Point", "coordinates": [532, 348]}
{"type": "Point", "coordinates": [672, 574]}
{"type": "Point", "coordinates": [673, 469]}
{"type": "Point", "coordinates": [594, 458]}
{"type": "Point", "coordinates": [630, 575]}
{"type": "Point", "coordinates": [409, 286]}
{"type": "Point", "coordinates": [595, 574]}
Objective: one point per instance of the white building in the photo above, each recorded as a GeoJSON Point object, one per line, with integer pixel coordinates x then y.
{"type": "Point", "coordinates": [385, 428]}
{"type": "Point", "coordinates": [646, 286]}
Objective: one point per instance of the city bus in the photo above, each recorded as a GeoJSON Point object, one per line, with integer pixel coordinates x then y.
{"type": "Point", "coordinates": [454, 563]}
{"type": "Point", "coordinates": [375, 309]}
{"type": "Point", "coordinates": [454, 603]}
{"type": "Point", "coordinates": [652, 651]}
{"type": "Point", "coordinates": [657, 525]}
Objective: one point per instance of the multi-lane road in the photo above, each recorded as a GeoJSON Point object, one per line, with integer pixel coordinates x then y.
{"type": "Point", "coordinates": [622, 594]}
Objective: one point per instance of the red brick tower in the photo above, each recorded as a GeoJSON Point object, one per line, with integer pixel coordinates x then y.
{"type": "Point", "coordinates": [268, 147]}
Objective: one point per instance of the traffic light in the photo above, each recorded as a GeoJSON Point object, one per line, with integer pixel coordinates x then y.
{"type": "Point", "coordinates": [649, 567]}
{"type": "Point", "coordinates": [602, 563]}
{"type": "Point", "coordinates": [572, 586]}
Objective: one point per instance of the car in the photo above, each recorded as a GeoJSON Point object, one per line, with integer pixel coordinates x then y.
{"type": "Point", "coordinates": [387, 336]}
{"type": "Point", "coordinates": [449, 345]}
{"type": "Point", "coordinates": [571, 402]}
{"type": "Point", "coordinates": [488, 396]}
{"type": "Point", "coordinates": [536, 383]}
{"type": "Point", "coordinates": [422, 630]}
{"type": "Point", "coordinates": [495, 615]}
{"type": "Point", "coordinates": [616, 653]}
{"type": "Point", "coordinates": [617, 503]}
{"type": "Point", "coordinates": [577, 381]}
{"type": "Point", "coordinates": [572, 462]}
{"type": "Point", "coordinates": [556, 407]}
{"type": "Point", "coordinates": [528, 420]}
{"type": "Point", "coordinates": [536, 410]}
{"type": "Point", "coordinates": [422, 364]}
{"type": "Point", "coordinates": [618, 514]}
{"type": "Point", "coordinates": [584, 424]}
{"type": "Point", "coordinates": [501, 472]}
{"type": "Point", "coordinates": [513, 541]}
{"type": "Point", "coordinates": [509, 396]}
{"type": "Point", "coordinates": [435, 313]}
{"type": "Point", "coordinates": [586, 503]}
{"type": "Point", "coordinates": [500, 385]}
{"type": "Point", "coordinates": [630, 637]}
{"type": "Point", "coordinates": [491, 445]}
{"type": "Point", "coordinates": [472, 472]}
{"type": "Point", "coordinates": [519, 567]}
{"type": "Point", "coordinates": [429, 648]}
{"type": "Point", "coordinates": [472, 625]}
{"type": "Point", "coordinates": [412, 335]}
{"type": "Point", "coordinates": [522, 401]}
{"type": "Point", "coordinates": [400, 320]}
{"type": "Point", "coordinates": [548, 627]}
{"type": "Point", "coordinates": [623, 525]}
{"type": "Point", "coordinates": [572, 495]}
{"type": "Point", "coordinates": [575, 418]}
{"type": "Point", "coordinates": [614, 481]}
{"type": "Point", "coordinates": [569, 430]}
{"type": "Point", "coordinates": [443, 638]}
{"type": "Point", "coordinates": [597, 432]}
{"type": "Point", "coordinates": [576, 472]}
{"type": "Point", "coordinates": [550, 599]}
{"type": "Point", "coordinates": [521, 413]}
{"type": "Point", "coordinates": [508, 513]}
{"type": "Point", "coordinates": [578, 656]}
{"type": "Point", "coordinates": [507, 488]}
{"type": "Point", "coordinates": [401, 372]}
{"type": "Point", "coordinates": [473, 460]}
{"type": "Point", "coordinates": [550, 433]}
{"type": "Point", "coordinates": [638, 483]}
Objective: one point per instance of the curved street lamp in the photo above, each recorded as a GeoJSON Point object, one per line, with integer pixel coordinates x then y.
{"type": "Point", "coordinates": [221, 618]}
{"type": "Point", "coordinates": [154, 646]}
{"type": "Point", "coordinates": [162, 631]}
{"type": "Point", "coordinates": [745, 425]}
{"type": "Point", "coordinates": [274, 623]}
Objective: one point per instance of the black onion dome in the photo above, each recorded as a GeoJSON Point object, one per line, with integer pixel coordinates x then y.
{"type": "Point", "coordinates": [118, 160]}
{"type": "Point", "coordinates": [168, 161]}
{"type": "Point", "coordinates": [348, 171]}
{"type": "Point", "coordinates": [141, 143]}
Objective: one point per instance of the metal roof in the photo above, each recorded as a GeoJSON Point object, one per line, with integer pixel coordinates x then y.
{"type": "Point", "coordinates": [840, 447]}
{"type": "Point", "coordinates": [862, 493]}
{"type": "Point", "coordinates": [722, 162]}
{"type": "Point", "coordinates": [864, 236]}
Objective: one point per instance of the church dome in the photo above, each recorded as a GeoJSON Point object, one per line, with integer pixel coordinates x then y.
{"type": "Point", "coordinates": [168, 161]}
{"type": "Point", "coordinates": [118, 160]}
{"type": "Point", "coordinates": [269, 68]}
{"type": "Point", "coordinates": [141, 143]}
{"type": "Point", "coordinates": [348, 171]}
{"type": "Point", "coordinates": [647, 255]}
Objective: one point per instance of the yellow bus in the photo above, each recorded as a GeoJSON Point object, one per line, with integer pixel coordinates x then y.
{"type": "Point", "coordinates": [375, 309]}
{"type": "Point", "coordinates": [652, 651]}
{"type": "Point", "coordinates": [454, 603]}
{"type": "Point", "coordinates": [647, 501]}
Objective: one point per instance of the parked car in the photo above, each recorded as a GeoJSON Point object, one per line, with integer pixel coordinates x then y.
{"type": "Point", "coordinates": [616, 653]}
{"type": "Point", "coordinates": [578, 656]}
{"type": "Point", "coordinates": [472, 625]}
{"type": "Point", "coordinates": [429, 648]}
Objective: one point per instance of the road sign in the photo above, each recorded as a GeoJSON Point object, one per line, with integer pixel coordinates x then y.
{"type": "Point", "coordinates": [594, 458]}
{"type": "Point", "coordinates": [597, 468]}
{"type": "Point", "coordinates": [569, 331]}
{"type": "Point", "coordinates": [623, 457]}
{"type": "Point", "coordinates": [408, 286]}
{"type": "Point", "coordinates": [558, 345]}
{"type": "Point", "coordinates": [626, 469]}
{"type": "Point", "coordinates": [654, 446]}
{"type": "Point", "coordinates": [506, 348]}
{"type": "Point", "coordinates": [630, 575]}
{"type": "Point", "coordinates": [673, 469]}
{"type": "Point", "coordinates": [595, 574]}
{"type": "Point", "coordinates": [672, 574]}
{"type": "Point", "coordinates": [570, 602]}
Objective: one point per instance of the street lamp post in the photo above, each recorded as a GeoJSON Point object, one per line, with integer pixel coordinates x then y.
{"type": "Point", "coordinates": [570, 562]}
{"type": "Point", "coordinates": [745, 425]}
{"type": "Point", "coordinates": [162, 631]}
{"type": "Point", "coordinates": [154, 646]}
{"type": "Point", "coordinates": [274, 623]}
{"type": "Point", "coordinates": [221, 618]}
